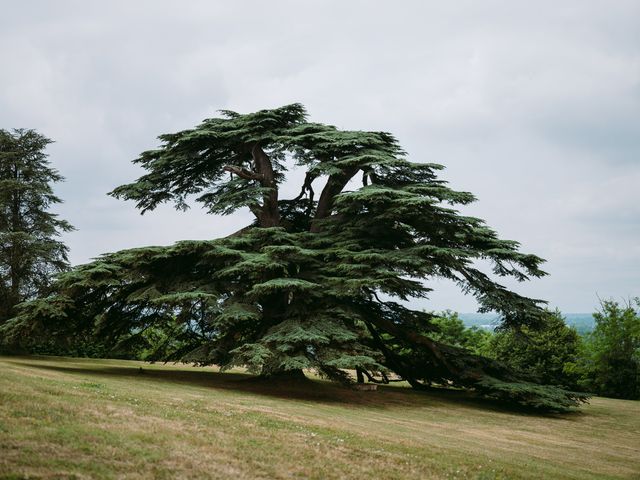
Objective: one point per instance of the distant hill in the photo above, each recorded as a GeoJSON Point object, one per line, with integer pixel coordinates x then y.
{"type": "Point", "coordinates": [583, 322]}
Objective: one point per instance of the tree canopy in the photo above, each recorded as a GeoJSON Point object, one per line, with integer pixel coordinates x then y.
{"type": "Point", "coordinates": [30, 250]}
{"type": "Point", "coordinates": [319, 281]}
{"type": "Point", "coordinates": [548, 352]}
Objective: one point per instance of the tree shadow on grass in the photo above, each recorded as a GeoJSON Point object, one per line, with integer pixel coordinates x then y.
{"type": "Point", "coordinates": [316, 390]}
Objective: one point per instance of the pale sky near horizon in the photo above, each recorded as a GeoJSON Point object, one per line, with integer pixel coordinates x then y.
{"type": "Point", "coordinates": [532, 106]}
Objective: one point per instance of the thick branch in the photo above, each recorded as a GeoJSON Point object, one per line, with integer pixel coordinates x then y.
{"type": "Point", "coordinates": [307, 187]}
{"type": "Point", "coordinates": [243, 172]}
{"type": "Point", "coordinates": [371, 378]}
{"type": "Point", "coordinates": [334, 186]}
{"type": "Point", "coordinates": [417, 339]}
{"type": "Point", "coordinates": [269, 216]}
{"type": "Point", "coordinates": [435, 348]}
{"type": "Point", "coordinates": [394, 362]}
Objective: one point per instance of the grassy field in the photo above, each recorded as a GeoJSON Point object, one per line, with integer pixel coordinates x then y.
{"type": "Point", "coordinates": [77, 418]}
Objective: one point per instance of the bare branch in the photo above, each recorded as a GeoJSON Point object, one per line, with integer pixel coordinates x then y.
{"type": "Point", "coordinates": [243, 172]}
{"type": "Point", "coordinates": [306, 186]}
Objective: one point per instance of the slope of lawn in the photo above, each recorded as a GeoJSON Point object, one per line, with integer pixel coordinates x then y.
{"type": "Point", "coordinates": [83, 418]}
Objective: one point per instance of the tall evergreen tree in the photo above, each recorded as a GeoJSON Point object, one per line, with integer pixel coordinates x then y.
{"type": "Point", "coordinates": [319, 281]}
{"type": "Point", "coordinates": [30, 250]}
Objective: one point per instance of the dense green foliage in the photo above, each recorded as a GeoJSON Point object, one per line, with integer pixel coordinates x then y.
{"type": "Point", "coordinates": [30, 251]}
{"type": "Point", "coordinates": [610, 362]}
{"type": "Point", "coordinates": [450, 329]}
{"type": "Point", "coordinates": [316, 282]}
{"type": "Point", "coordinates": [547, 352]}
{"type": "Point", "coordinates": [605, 361]}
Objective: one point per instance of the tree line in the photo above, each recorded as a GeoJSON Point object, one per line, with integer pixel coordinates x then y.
{"type": "Point", "coordinates": [320, 281]}
{"type": "Point", "coordinates": [605, 361]}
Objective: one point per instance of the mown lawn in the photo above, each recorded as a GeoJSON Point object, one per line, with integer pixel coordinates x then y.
{"type": "Point", "coordinates": [81, 418]}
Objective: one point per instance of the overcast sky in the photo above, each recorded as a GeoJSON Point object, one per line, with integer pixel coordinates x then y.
{"type": "Point", "coordinates": [532, 106]}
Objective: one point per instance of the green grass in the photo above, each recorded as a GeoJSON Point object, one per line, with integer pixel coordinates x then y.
{"type": "Point", "coordinates": [81, 418]}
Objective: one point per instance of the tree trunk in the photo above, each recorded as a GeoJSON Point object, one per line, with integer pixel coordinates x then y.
{"type": "Point", "coordinates": [269, 215]}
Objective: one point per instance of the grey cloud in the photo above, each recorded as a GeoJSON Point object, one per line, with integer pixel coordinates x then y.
{"type": "Point", "coordinates": [533, 106]}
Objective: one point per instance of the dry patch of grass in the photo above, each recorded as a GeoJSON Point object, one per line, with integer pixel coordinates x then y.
{"type": "Point", "coordinates": [76, 418]}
